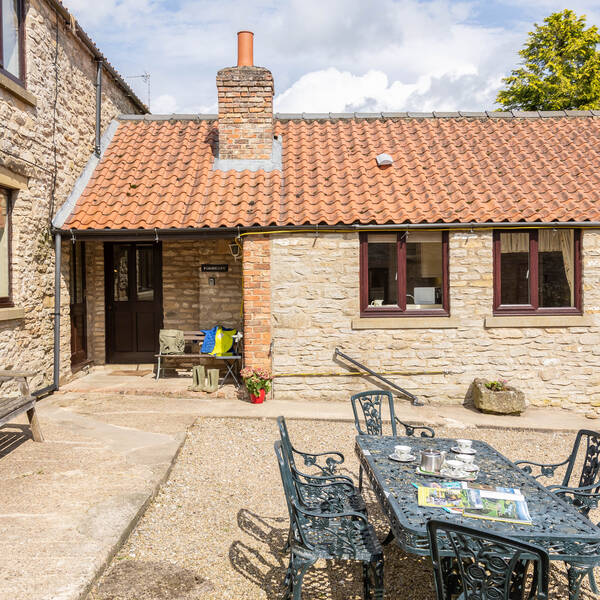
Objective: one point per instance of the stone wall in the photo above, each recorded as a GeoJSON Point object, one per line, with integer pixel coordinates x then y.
{"type": "Point", "coordinates": [189, 301]}
{"type": "Point", "coordinates": [53, 120]}
{"type": "Point", "coordinates": [315, 298]}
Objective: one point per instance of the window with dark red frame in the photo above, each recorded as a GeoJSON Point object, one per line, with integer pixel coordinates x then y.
{"type": "Point", "coordinates": [5, 270]}
{"type": "Point", "coordinates": [404, 274]}
{"type": "Point", "coordinates": [12, 39]}
{"type": "Point", "coordinates": [537, 271]}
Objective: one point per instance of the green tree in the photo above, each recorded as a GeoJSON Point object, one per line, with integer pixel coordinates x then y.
{"type": "Point", "coordinates": [561, 67]}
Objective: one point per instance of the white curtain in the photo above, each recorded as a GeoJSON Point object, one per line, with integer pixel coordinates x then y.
{"type": "Point", "coordinates": [560, 240]}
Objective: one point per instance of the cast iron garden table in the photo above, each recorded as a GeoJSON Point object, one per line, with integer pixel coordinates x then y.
{"type": "Point", "coordinates": [557, 526]}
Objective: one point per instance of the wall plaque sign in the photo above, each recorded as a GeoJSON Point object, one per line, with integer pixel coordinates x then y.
{"type": "Point", "coordinates": [215, 268]}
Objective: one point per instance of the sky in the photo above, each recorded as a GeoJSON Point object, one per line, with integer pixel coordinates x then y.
{"type": "Point", "coordinates": [325, 55]}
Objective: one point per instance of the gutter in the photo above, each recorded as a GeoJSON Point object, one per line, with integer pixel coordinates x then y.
{"type": "Point", "coordinates": [201, 232]}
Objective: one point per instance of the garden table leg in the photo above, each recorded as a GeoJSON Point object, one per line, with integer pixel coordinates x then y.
{"type": "Point", "coordinates": [576, 573]}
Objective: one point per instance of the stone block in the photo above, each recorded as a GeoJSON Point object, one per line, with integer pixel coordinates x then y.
{"type": "Point", "coordinates": [508, 402]}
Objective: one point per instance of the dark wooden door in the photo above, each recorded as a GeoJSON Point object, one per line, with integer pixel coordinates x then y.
{"type": "Point", "coordinates": [77, 305]}
{"type": "Point", "coordinates": [133, 301]}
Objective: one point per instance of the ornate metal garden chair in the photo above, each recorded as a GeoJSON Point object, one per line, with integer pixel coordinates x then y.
{"type": "Point", "coordinates": [370, 405]}
{"type": "Point", "coordinates": [485, 566]}
{"type": "Point", "coordinates": [586, 491]}
{"type": "Point", "coordinates": [315, 535]}
{"type": "Point", "coordinates": [585, 494]}
{"type": "Point", "coordinates": [325, 483]}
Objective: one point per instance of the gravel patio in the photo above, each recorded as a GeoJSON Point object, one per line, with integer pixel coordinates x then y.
{"type": "Point", "coordinates": [217, 527]}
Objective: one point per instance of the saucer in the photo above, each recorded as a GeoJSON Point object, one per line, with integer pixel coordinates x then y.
{"type": "Point", "coordinates": [451, 473]}
{"type": "Point", "coordinates": [405, 458]}
{"type": "Point", "coordinates": [470, 468]}
{"type": "Point", "coordinates": [457, 450]}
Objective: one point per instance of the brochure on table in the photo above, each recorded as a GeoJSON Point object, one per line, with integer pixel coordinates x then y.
{"type": "Point", "coordinates": [476, 501]}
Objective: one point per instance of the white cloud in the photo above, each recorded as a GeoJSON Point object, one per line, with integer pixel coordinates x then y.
{"type": "Point", "coordinates": [164, 104]}
{"type": "Point", "coordinates": [325, 55]}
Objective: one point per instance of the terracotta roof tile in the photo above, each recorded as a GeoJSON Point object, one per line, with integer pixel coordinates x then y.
{"type": "Point", "coordinates": [158, 174]}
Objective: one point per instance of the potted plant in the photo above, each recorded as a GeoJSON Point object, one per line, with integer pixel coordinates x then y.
{"type": "Point", "coordinates": [497, 397]}
{"type": "Point", "coordinates": [258, 383]}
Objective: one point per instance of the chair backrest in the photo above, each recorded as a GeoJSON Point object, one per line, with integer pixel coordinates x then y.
{"type": "Point", "coordinates": [286, 444]}
{"type": "Point", "coordinates": [367, 408]}
{"type": "Point", "coordinates": [589, 442]}
{"type": "Point", "coordinates": [291, 498]}
{"type": "Point", "coordinates": [490, 567]}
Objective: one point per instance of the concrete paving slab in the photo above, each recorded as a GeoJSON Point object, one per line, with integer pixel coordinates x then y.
{"type": "Point", "coordinates": [68, 503]}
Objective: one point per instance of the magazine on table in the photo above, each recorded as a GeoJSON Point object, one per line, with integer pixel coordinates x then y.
{"type": "Point", "coordinates": [509, 510]}
{"type": "Point", "coordinates": [434, 497]}
{"type": "Point", "coordinates": [477, 501]}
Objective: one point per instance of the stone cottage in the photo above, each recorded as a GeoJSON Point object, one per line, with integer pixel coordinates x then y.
{"type": "Point", "coordinates": [57, 93]}
{"type": "Point", "coordinates": [434, 248]}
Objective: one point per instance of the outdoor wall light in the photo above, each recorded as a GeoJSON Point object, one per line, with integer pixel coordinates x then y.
{"type": "Point", "coordinates": [212, 281]}
{"type": "Point", "coordinates": [235, 249]}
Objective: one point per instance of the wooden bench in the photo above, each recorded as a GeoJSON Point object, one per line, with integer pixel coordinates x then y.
{"type": "Point", "coordinates": [196, 338]}
{"type": "Point", "coordinates": [25, 402]}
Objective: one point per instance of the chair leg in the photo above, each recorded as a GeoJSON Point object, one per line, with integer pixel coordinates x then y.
{"type": "Point", "coordinates": [360, 479]}
{"type": "Point", "coordinates": [158, 369]}
{"type": "Point", "coordinates": [299, 567]}
{"type": "Point", "coordinates": [373, 579]}
{"type": "Point", "coordinates": [593, 584]}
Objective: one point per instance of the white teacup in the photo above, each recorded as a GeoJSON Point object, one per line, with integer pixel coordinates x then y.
{"type": "Point", "coordinates": [468, 459]}
{"type": "Point", "coordinates": [402, 451]}
{"type": "Point", "coordinates": [454, 465]}
{"type": "Point", "coordinates": [464, 445]}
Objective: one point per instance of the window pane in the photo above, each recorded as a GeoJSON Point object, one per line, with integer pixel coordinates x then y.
{"type": "Point", "coordinates": [77, 274]}
{"type": "Point", "coordinates": [10, 36]}
{"type": "Point", "coordinates": [121, 273]}
{"type": "Point", "coordinates": [4, 265]}
{"type": "Point", "coordinates": [424, 270]}
{"type": "Point", "coordinates": [514, 268]}
{"type": "Point", "coordinates": [383, 271]}
{"type": "Point", "coordinates": [556, 264]}
{"type": "Point", "coordinates": [144, 272]}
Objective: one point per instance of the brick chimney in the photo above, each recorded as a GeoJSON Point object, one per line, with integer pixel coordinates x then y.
{"type": "Point", "coordinates": [245, 107]}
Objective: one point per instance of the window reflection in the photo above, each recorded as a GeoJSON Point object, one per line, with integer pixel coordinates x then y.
{"type": "Point", "coordinates": [424, 269]}
{"type": "Point", "coordinates": [121, 273]}
{"type": "Point", "coordinates": [383, 270]}
{"type": "Point", "coordinates": [514, 266]}
{"type": "Point", "coordinates": [144, 265]}
{"type": "Point", "coordinates": [4, 232]}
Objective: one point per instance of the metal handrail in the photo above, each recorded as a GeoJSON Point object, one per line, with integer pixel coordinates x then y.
{"type": "Point", "coordinates": [415, 401]}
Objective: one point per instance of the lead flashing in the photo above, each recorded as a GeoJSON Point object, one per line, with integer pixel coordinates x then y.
{"type": "Point", "coordinates": [275, 164]}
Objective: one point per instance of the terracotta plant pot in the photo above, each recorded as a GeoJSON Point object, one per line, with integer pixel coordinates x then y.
{"type": "Point", "coordinates": [258, 399]}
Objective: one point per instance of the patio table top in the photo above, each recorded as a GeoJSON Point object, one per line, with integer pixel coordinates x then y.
{"type": "Point", "coordinates": [557, 526]}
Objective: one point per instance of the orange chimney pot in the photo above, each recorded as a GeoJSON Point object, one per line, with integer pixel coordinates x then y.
{"type": "Point", "coordinates": [245, 49]}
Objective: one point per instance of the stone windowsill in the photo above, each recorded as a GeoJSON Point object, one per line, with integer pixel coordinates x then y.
{"type": "Point", "coordinates": [17, 90]}
{"type": "Point", "coordinates": [540, 321]}
{"type": "Point", "coordinates": [405, 323]}
{"type": "Point", "coordinates": [10, 314]}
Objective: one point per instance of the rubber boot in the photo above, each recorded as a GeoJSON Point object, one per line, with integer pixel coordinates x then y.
{"type": "Point", "coordinates": [213, 381]}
